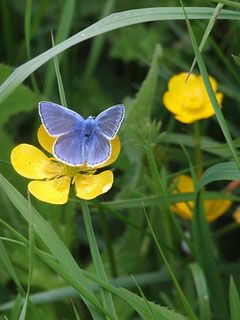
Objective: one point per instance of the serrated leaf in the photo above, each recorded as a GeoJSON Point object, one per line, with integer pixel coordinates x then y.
{"type": "Point", "coordinates": [139, 110]}
{"type": "Point", "coordinates": [236, 59]}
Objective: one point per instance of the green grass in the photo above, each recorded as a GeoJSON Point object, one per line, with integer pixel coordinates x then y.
{"type": "Point", "coordinates": [124, 255]}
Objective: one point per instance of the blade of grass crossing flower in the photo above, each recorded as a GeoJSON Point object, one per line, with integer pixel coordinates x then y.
{"type": "Point", "coordinates": [97, 44]}
{"type": "Point", "coordinates": [109, 23]}
{"type": "Point", "coordinates": [229, 3]}
{"type": "Point", "coordinates": [202, 239]}
{"type": "Point", "coordinates": [30, 259]}
{"type": "Point", "coordinates": [202, 291]}
{"type": "Point", "coordinates": [210, 25]}
{"type": "Point", "coordinates": [62, 33]}
{"type": "Point", "coordinates": [97, 261]}
{"type": "Point", "coordinates": [48, 236]}
{"type": "Point", "coordinates": [212, 97]}
{"type": "Point", "coordinates": [234, 301]}
{"type": "Point", "coordinates": [59, 78]}
{"type": "Point", "coordinates": [180, 293]}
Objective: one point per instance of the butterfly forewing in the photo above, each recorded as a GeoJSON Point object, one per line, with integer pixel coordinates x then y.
{"type": "Point", "coordinates": [70, 147]}
{"type": "Point", "coordinates": [109, 121]}
{"type": "Point", "coordinates": [59, 120]}
{"type": "Point", "coordinates": [98, 149]}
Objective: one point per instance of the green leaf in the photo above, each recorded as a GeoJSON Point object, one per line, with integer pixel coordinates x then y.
{"type": "Point", "coordinates": [139, 111]}
{"type": "Point", "coordinates": [111, 22]}
{"type": "Point", "coordinates": [62, 33]}
{"type": "Point", "coordinates": [126, 48]}
{"type": "Point", "coordinates": [212, 97]}
{"type": "Point", "coordinates": [234, 301]}
{"type": "Point", "coordinates": [22, 100]}
{"type": "Point", "coordinates": [97, 260]}
{"type": "Point", "coordinates": [67, 264]}
{"type": "Point", "coordinates": [9, 266]}
{"type": "Point", "coordinates": [220, 171]}
{"type": "Point", "coordinates": [202, 291]}
{"type": "Point", "coordinates": [206, 257]}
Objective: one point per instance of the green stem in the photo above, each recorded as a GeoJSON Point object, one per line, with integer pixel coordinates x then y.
{"type": "Point", "coordinates": [97, 260]}
{"type": "Point", "coordinates": [160, 190]}
{"type": "Point", "coordinates": [168, 218]}
{"type": "Point", "coordinates": [108, 242]}
{"type": "Point", "coordinates": [198, 151]}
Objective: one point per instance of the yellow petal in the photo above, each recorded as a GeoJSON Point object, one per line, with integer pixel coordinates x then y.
{"type": "Point", "coordinates": [188, 100]}
{"type": "Point", "coordinates": [216, 208]}
{"type": "Point", "coordinates": [29, 161]}
{"type": "Point", "coordinates": [213, 208]}
{"type": "Point", "coordinates": [53, 191]}
{"type": "Point", "coordinates": [90, 186]}
{"type": "Point", "coordinates": [236, 215]}
{"type": "Point", "coordinates": [45, 140]}
{"type": "Point", "coordinates": [184, 184]}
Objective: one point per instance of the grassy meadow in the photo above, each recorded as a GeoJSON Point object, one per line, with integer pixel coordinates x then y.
{"type": "Point", "coordinates": [153, 231]}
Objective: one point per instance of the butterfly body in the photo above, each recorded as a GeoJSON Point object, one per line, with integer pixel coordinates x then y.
{"type": "Point", "coordinates": [81, 141]}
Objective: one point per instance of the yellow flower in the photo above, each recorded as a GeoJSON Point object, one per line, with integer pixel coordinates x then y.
{"type": "Point", "coordinates": [188, 100]}
{"type": "Point", "coordinates": [213, 208]}
{"type": "Point", "coordinates": [236, 214]}
{"type": "Point", "coordinates": [52, 179]}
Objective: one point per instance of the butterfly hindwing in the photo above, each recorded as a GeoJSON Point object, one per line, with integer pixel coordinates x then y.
{"type": "Point", "coordinates": [109, 121]}
{"type": "Point", "coordinates": [69, 148]}
{"type": "Point", "coordinates": [59, 120]}
{"type": "Point", "coordinates": [98, 149]}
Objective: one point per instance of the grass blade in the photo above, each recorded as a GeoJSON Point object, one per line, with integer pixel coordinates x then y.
{"type": "Point", "coordinates": [234, 301]}
{"type": "Point", "coordinates": [212, 97]}
{"type": "Point", "coordinates": [182, 297]}
{"type": "Point", "coordinates": [111, 22]}
{"type": "Point", "coordinates": [59, 78]}
{"type": "Point", "coordinates": [30, 258]}
{"type": "Point", "coordinates": [67, 264]}
{"type": "Point", "coordinates": [97, 261]}
{"type": "Point", "coordinates": [229, 3]}
{"type": "Point", "coordinates": [62, 33]}
{"type": "Point", "coordinates": [97, 44]}
{"type": "Point", "coordinates": [220, 171]}
{"type": "Point", "coordinates": [210, 25]}
{"type": "Point", "coordinates": [202, 291]}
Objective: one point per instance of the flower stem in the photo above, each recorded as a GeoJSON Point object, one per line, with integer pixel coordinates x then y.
{"type": "Point", "coordinates": [198, 151]}
{"type": "Point", "coordinates": [160, 190]}
{"type": "Point", "coordinates": [97, 260]}
{"type": "Point", "coordinates": [108, 242]}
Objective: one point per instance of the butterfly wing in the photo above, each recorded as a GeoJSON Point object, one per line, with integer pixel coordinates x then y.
{"type": "Point", "coordinates": [98, 149]}
{"type": "Point", "coordinates": [69, 148]}
{"type": "Point", "coordinates": [58, 120]}
{"type": "Point", "coordinates": [109, 121]}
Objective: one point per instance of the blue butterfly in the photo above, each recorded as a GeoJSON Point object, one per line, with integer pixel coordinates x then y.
{"type": "Point", "coordinates": [81, 141]}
